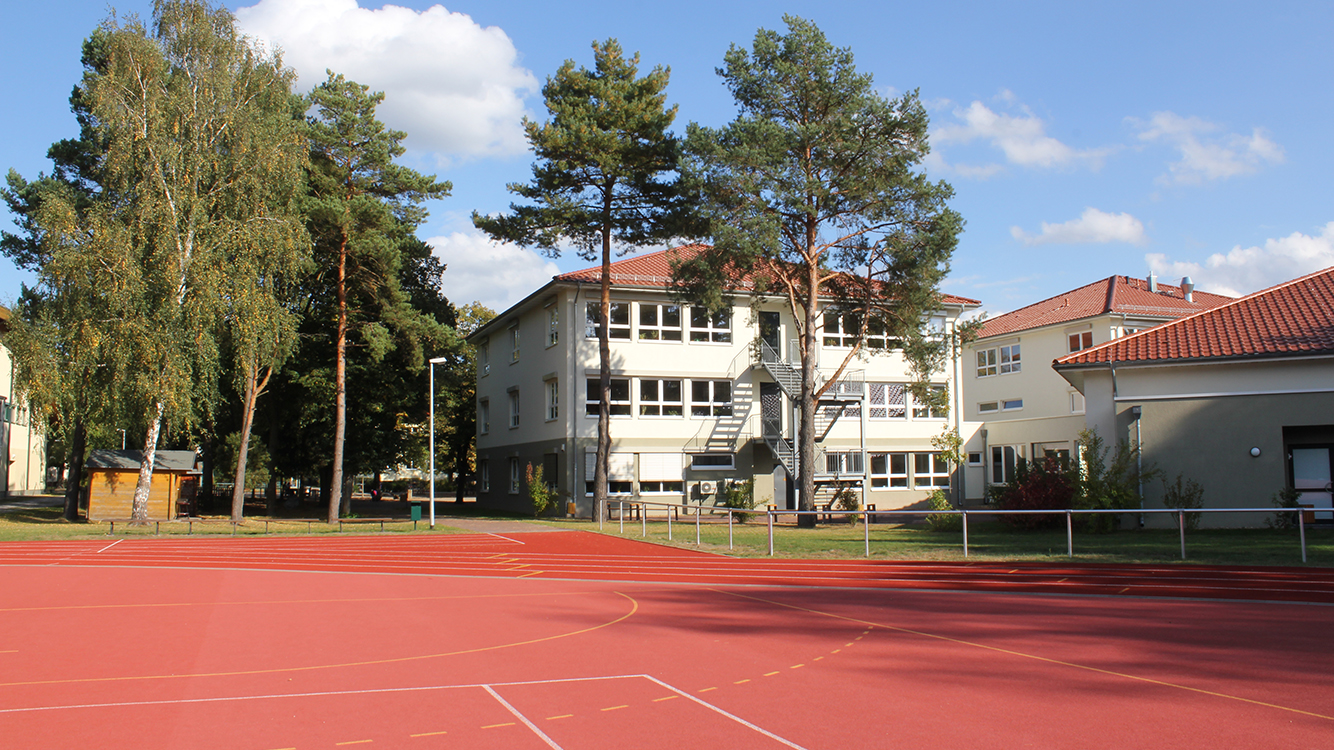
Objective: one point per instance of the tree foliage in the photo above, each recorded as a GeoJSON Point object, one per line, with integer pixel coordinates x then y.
{"type": "Point", "coordinates": [814, 193]}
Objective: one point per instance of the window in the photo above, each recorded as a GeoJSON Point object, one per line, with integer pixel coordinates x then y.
{"type": "Point", "coordinates": [889, 470]}
{"type": "Point", "coordinates": [484, 357]}
{"type": "Point", "coordinates": [484, 416]}
{"type": "Point", "coordinates": [975, 458]}
{"type": "Point", "coordinates": [887, 401]}
{"type": "Point", "coordinates": [659, 322]}
{"type": "Point", "coordinates": [1001, 360]}
{"type": "Point", "coordinates": [1004, 459]}
{"type": "Point", "coordinates": [661, 488]}
{"type": "Point", "coordinates": [553, 400]}
{"type": "Point", "coordinates": [1080, 341]}
{"type": "Point", "coordinates": [553, 325]}
{"type": "Point", "coordinates": [846, 408]}
{"type": "Point", "coordinates": [988, 406]}
{"type": "Point", "coordinates": [710, 398]}
{"type": "Point", "coordinates": [660, 473]}
{"type": "Point", "coordinates": [878, 338]}
{"type": "Point", "coordinates": [1012, 404]}
{"type": "Point", "coordinates": [619, 401]}
{"type": "Point", "coordinates": [620, 320]}
{"type": "Point", "coordinates": [484, 475]}
{"type": "Point", "coordinates": [841, 329]}
{"type": "Point", "coordinates": [930, 470]}
{"type": "Point", "coordinates": [711, 461]}
{"type": "Point", "coordinates": [931, 410]}
{"type": "Point", "coordinates": [514, 344]}
{"type": "Point", "coordinates": [1076, 402]}
{"type": "Point", "coordinates": [705, 327]}
{"type": "Point", "coordinates": [660, 398]}
{"type": "Point", "coordinates": [843, 462]}
{"type": "Point", "coordinates": [515, 480]}
{"type": "Point", "coordinates": [514, 409]}
{"type": "Point", "coordinates": [620, 472]}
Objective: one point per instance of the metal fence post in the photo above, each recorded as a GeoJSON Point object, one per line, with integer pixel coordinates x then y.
{"type": "Point", "coordinates": [621, 514]}
{"type": "Point", "coordinates": [1181, 524]}
{"type": "Point", "coordinates": [670, 512]}
{"type": "Point", "coordinates": [965, 531]}
{"type": "Point", "coordinates": [729, 529]}
{"type": "Point", "coordinates": [1069, 535]}
{"type": "Point", "coordinates": [1301, 529]}
{"type": "Point", "coordinates": [698, 512]}
{"type": "Point", "coordinates": [866, 530]}
{"type": "Point", "coordinates": [643, 522]}
{"type": "Point", "coordinates": [769, 513]}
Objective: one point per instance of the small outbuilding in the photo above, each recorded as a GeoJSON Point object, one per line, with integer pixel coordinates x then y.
{"type": "Point", "coordinates": [113, 475]}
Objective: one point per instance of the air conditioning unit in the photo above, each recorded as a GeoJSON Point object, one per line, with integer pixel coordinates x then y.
{"type": "Point", "coordinates": [706, 488]}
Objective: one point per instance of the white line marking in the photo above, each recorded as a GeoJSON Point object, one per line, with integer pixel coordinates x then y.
{"type": "Point", "coordinates": [550, 742]}
{"type": "Point", "coordinates": [109, 546]}
{"type": "Point", "coordinates": [731, 716]}
{"type": "Point", "coordinates": [498, 536]}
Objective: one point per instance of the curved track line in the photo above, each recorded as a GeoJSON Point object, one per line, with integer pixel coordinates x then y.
{"type": "Point", "coordinates": [634, 608]}
{"type": "Point", "coordinates": [293, 601]}
{"type": "Point", "coordinates": [1035, 657]}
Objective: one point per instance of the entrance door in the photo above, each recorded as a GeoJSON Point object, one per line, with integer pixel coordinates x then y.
{"type": "Point", "coordinates": [1311, 475]}
{"type": "Point", "coordinates": [771, 331]}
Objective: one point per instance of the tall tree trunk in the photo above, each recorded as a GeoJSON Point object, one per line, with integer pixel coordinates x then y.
{"type": "Point", "coordinates": [340, 387]}
{"type": "Point", "coordinates": [74, 479]}
{"type": "Point", "coordinates": [208, 445]}
{"type": "Point", "coordinates": [604, 374]}
{"type": "Point", "coordinates": [139, 507]}
{"type": "Point", "coordinates": [271, 492]}
{"type": "Point", "coordinates": [253, 387]}
{"type": "Point", "coordinates": [809, 373]}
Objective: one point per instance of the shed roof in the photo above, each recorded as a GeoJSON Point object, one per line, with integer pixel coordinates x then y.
{"type": "Point", "coordinates": [162, 460]}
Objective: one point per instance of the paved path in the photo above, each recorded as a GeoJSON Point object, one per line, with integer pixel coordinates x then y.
{"type": "Point", "coordinates": [493, 525]}
{"type": "Point", "coordinates": [8, 504]}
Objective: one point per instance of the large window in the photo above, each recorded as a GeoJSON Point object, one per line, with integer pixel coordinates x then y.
{"type": "Point", "coordinates": [999, 360]}
{"type": "Point", "coordinates": [619, 328]}
{"type": "Point", "coordinates": [619, 400]}
{"type": "Point", "coordinates": [710, 398]}
{"type": "Point", "coordinates": [930, 470]}
{"type": "Point", "coordinates": [620, 472]}
{"type": "Point", "coordinates": [660, 473]}
{"type": "Point", "coordinates": [843, 462]}
{"type": "Point", "coordinates": [712, 461]}
{"type": "Point", "coordinates": [888, 401]}
{"type": "Point", "coordinates": [1004, 461]}
{"type": "Point", "coordinates": [931, 410]}
{"type": "Point", "coordinates": [660, 398]}
{"type": "Point", "coordinates": [553, 325]}
{"type": "Point", "coordinates": [841, 329]}
{"type": "Point", "coordinates": [484, 416]}
{"type": "Point", "coordinates": [659, 322]}
{"type": "Point", "coordinates": [705, 327]}
{"type": "Point", "coordinates": [514, 343]}
{"type": "Point", "coordinates": [1080, 341]}
{"type": "Point", "coordinates": [514, 409]}
{"type": "Point", "coordinates": [889, 471]}
{"type": "Point", "coordinates": [484, 357]}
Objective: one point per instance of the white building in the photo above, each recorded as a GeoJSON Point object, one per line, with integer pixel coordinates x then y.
{"type": "Point", "coordinates": [1029, 410]}
{"type": "Point", "coordinates": [693, 405]}
{"type": "Point", "coordinates": [23, 470]}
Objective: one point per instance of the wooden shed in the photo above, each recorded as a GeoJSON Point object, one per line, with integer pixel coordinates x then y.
{"type": "Point", "coordinates": [112, 476]}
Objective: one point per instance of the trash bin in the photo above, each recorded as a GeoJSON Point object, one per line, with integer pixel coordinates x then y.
{"type": "Point", "coordinates": [416, 511]}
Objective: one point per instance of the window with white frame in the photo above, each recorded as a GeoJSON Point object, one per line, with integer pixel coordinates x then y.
{"type": "Point", "coordinates": [661, 473]}
{"type": "Point", "coordinates": [998, 360]}
{"type": "Point", "coordinates": [659, 322]}
{"type": "Point", "coordinates": [618, 399]}
{"type": "Point", "coordinates": [1011, 404]}
{"type": "Point", "coordinates": [484, 475]}
{"type": "Point", "coordinates": [660, 398]}
{"type": "Point", "coordinates": [848, 408]}
{"type": "Point", "coordinates": [887, 401]}
{"type": "Point", "coordinates": [716, 327]}
{"type": "Point", "coordinates": [1004, 460]}
{"type": "Point", "coordinates": [553, 399]}
{"type": "Point", "coordinates": [484, 357]}
{"type": "Point", "coordinates": [712, 461]}
{"type": "Point", "coordinates": [841, 329]}
{"type": "Point", "coordinates": [553, 325]}
{"type": "Point", "coordinates": [877, 337]}
{"type": "Point", "coordinates": [619, 314]}
{"type": "Point", "coordinates": [514, 343]}
{"type": "Point", "coordinates": [710, 398]}
{"type": "Point", "coordinates": [843, 462]}
{"type": "Point", "coordinates": [933, 409]}
{"type": "Point", "coordinates": [930, 470]}
{"type": "Point", "coordinates": [986, 407]}
{"type": "Point", "coordinates": [1076, 402]}
{"type": "Point", "coordinates": [620, 472]}
{"type": "Point", "coordinates": [516, 477]}
{"type": "Point", "coordinates": [484, 416]}
{"type": "Point", "coordinates": [514, 409]}
{"type": "Point", "coordinates": [889, 471]}
{"type": "Point", "coordinates": [1078, 342]}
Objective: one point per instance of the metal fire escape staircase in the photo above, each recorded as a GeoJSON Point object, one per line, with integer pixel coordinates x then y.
{"type": "Point", "coordinates": [829, 408]}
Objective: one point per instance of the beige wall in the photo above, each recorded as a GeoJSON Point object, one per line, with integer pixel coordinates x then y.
{"type": "Point", "coordinates": [25, 469]}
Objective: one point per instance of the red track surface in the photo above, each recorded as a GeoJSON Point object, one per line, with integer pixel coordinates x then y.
{"type": "Point", "coordinates": [573, 640]}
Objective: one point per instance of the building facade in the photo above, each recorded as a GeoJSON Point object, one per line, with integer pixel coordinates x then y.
{"type": "Point", "coordinates": [1029, 411]}
{"type": "Point", "coordinates": [696, 400]}
{"type": "Point", "coordinates": [22, 446]}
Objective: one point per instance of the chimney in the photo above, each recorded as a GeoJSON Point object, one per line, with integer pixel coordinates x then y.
{"type": "Point", "coordinates": [1153, 283]}
{"type": "Point", "coordinates": [1187, 289]}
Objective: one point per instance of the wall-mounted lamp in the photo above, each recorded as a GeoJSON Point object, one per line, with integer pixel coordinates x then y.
{"type": "Point", "coordinates": [1255, 453]}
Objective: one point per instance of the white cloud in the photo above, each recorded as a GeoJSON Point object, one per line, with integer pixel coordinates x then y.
{"type": "Point", "coordinates": [1243, 270]}
{"type": "Point", "coordinates": [1021, 137]}
{"type": "Point", "coordinates": [1092, 226]}
{"type": "Point", "coordinates": [495, 274]}
{"type": "Point", "coordinates": [1207, 153]}
{"type": "Point", "coordinates": [455, 87]}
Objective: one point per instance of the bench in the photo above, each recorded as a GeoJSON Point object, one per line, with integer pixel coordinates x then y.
{"type": "Point", "coordinates": [381, 521]}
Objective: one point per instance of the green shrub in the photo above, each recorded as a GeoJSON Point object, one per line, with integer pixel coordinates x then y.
{"type": "Point", "coordinates": [1041, 486]}
{"type": "Point", "coordinates": [542, 494]}
{"type": "Point", "coordinates": [847, 499]}
{"type": "Point", "coordinates": [942, 521]}
{"type": "Point", "coordinates": [1285, 498]}
{"type": "Point", "coordinates": [1104, 485]}
{"type": "Point", "coordinates": [1185, 494]}
{"type": "Point", "coordinates": [740, 495]}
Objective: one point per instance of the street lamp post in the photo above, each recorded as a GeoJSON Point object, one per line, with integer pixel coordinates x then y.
{"type": "Point", "coordinates": [430, 397]}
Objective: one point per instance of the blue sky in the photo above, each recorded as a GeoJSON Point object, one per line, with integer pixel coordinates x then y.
{"type": "Point", "coordinates": [1082, 139]}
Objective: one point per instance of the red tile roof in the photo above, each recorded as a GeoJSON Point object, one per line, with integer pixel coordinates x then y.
{"type": "Point", "coordinates": [1293, 318]}
{"type": "Point", "coordinates": [655, 270]}
{"type": "Point", "coordinates": [1115, 294]}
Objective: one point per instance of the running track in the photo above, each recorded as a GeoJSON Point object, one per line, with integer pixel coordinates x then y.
{"type": "Point", "coordinates": [574, 640]}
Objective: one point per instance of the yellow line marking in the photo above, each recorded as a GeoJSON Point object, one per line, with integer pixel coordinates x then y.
{"type": "Point", "coordinates": [634, 608]}
{"type": "Point", "coordinates": [1124, 590]}
{"type": "Point", "coordinates": [1016, 570]}
{"type": "Point", "coordinates": [1063, 580]}
{"type": "Point", "coordinates": [796, 666]}
{"type": "Point", "coordinates": [818, 658]}
{"type": "Point", "coordinates": [614, 708]}
{"type": "Point", "coordinates": [14, 651]}
{"type": "Point", "coordinates": [848, 645]}
{"type": "Point", "coordinates": [770, 674]}
{"type": "Point", "coordinates": [529, 575]}
{"type": "Point", "coordinates": [525, 565]}
{"type": "Point", "coordinates": [493, 726]}
{"type": "Point", "coordinates": [562, 716]}
{"type": "Point", "coordinates": [427, 734]}
{"type": "Point", "coordinates": [738, 682]}
{"type": "Point", "coordinates": [835, 651]}
{"type": "Point", "coordinates": [705, 690]}
{"type": "Point", "coordinates": [858, 638]}
{"type": "Point", "coordinates": [1035, 657]}
{"type": "Point", "coordinates": [353, 742]}
{"type": "Point", "coordinates": [670, 697]}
